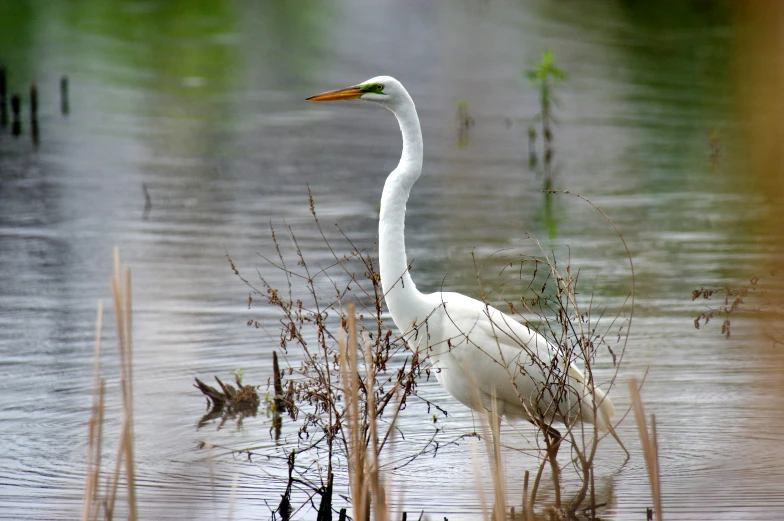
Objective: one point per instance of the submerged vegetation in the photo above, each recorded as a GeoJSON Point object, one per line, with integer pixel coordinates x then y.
{"type": "Point", "coordinates": [228, 402]}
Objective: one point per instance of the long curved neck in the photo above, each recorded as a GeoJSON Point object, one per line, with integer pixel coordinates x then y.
{"type": "Point", "coordinates": [402, 297]}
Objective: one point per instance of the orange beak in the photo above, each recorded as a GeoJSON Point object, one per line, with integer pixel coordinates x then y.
{"type": "Point", "coordinates": [340, 94]}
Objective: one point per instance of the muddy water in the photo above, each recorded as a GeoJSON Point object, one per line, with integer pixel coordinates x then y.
{"type": "Point", "coordinates": [204, 107]}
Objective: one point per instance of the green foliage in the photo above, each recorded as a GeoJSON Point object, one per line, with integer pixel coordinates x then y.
{"type": "Point", "coordinates": [544, 75]}
{"type": "Point", "coordinates": [544, 70]}
{"type": "Point", "coordinates": [237, 373]}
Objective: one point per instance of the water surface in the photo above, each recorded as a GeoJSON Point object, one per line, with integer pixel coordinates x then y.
{"type": "Point", "coordinates": [203, 105]}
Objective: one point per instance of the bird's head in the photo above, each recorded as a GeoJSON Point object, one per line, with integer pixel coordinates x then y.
{"type": "Point", "coordinates": [384, 90]}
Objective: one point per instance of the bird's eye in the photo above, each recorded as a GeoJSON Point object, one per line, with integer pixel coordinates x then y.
{"type": "Point", "coordinates": [379, 87]}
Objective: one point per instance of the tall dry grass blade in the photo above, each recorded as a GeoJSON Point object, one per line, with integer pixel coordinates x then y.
{"type": "Point", "coordinates": [122, 300]}
{"type": "Point", "coordinates": [113, 483]}
{"type": "Point", "coordinates": [95, 427]}
{"type": "Point", "coordinates": [499, 476]}
{"type": "Point", "coordinates": [100, 409]}
{"type": "Point", "coordinates": [492, 439]}
{"type": "Point", "coordinates": [376, 487]}
{"type": "Point", "coordinates": [128, 405]}
{"type": "Point", "coordinates": [528, 506]}
{"type": "Point", "coordinates": [98, 449]}
{"type": "Point", "coordinates": [360, 453]}
{"type": "Point", "coordinates": [655, 462]}
{"type": "Point", "coordinates": [364, 477]}
{"type": "Point", "coordinates": [478, 476]}
{"type": "Point", "coordinates": [649, 444]}
{"type": "Point", "coordinates": [347, 346]}
{"type": "Point", "coordinates": [89, 486]}
{"type": "Point", "coordinates": [121, 293]}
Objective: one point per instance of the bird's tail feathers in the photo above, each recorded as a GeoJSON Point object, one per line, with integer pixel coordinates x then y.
{"type": "Point", "coordinates": [594, 399]}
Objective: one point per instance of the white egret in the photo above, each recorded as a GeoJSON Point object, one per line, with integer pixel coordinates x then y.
{"type": "Point", "coordinates": [478, 353]}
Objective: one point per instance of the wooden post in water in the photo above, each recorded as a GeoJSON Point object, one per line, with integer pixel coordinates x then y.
{"type": "Point", "coordinates": [284, 508]}
{"type": "Point", "coordinates": [528, 508]}
{"type": "Point", "coordinates": [342, 516]}
{"type": "Point", "coordinates": [64, 106]}
{"type": "Point", "coordinates": [325, 507]}
{"type": "Point", "coordinates": [3, 98]}
{"type": "Point", "coordinates": [34, 113]}
{"type": "Point", "coordinates": [16, 109]}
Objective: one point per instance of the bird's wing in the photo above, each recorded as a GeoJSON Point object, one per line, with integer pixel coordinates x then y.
{"type": "Point", "coordinates": [516, 364]}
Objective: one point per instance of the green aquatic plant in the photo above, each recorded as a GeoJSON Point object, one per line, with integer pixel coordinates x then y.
{"type": "Point", "coordinates": [544, 75]}
{"type": "Point", "coordinates": [238, 374]}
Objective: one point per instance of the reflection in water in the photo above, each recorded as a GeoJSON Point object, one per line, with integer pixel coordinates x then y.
{"type": "Point", "coordinates": [549, 220]}
{"type": "Point", "coordinates": [201, 104]}
{"type": "Point", "coordinates": [464, 123]}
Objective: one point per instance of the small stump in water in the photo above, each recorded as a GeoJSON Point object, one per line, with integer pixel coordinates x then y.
{"type": "Point", "coordinates": [229, 402]}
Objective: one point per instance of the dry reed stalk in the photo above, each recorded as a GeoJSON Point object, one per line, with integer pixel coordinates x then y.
{"type": "Point", "coordinates": [528, 506]}
{"type": "Point", "coordinates": [347, 344]}
{"type": "Point", "coordinates": [650, 446]}
{"type": "Point", "coordinates": [121, 293]}
{"type": "Point", "coordinates": [499, 476]}
{"type": "Point", "coordinates": [376, 488]}
{"type": "Point", "coordinates": [112, 484]}
{"type": "Point", "coordinates": [493, 448]}
{"type": "Point", "coordinates": [92, 503]}
{"type": "Point", "coordinates": [364, 476]}
{"type": "Point", "coordinates": [479, 486]}
{"type": "Point", "coordinates": [95, 429]}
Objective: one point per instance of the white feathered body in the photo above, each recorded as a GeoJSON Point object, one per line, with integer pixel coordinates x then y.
{"type": "Point", "coordinates": [480, 354]}
{"type": "Point", "coordinates": [476, 350]}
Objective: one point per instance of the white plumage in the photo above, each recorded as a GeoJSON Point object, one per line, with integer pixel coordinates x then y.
{"type": "Point", "coordinates": [476, 350]}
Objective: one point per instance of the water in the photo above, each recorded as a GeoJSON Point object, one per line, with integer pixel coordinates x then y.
{"type": "Point", "coordinates": [203, 105]}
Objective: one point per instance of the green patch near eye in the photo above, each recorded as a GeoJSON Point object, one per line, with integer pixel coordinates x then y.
{"type": "Point", "coordinates": [376, 88]}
